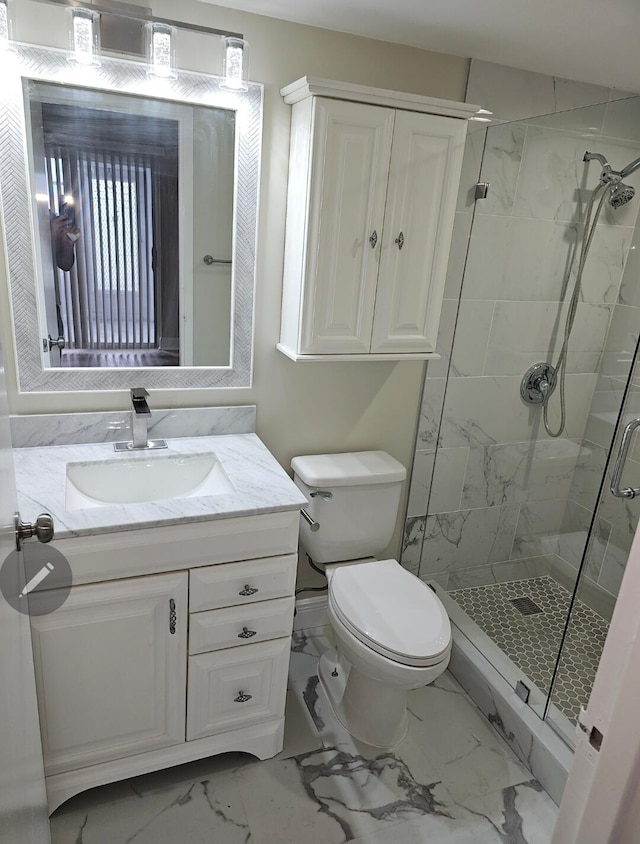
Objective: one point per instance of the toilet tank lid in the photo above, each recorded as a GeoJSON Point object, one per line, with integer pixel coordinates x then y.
{"type": "Point", "coordinates": [353, 468]}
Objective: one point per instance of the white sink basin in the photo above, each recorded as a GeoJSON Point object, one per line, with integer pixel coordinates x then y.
{"type": "Point", "coordinates": [129, 480]}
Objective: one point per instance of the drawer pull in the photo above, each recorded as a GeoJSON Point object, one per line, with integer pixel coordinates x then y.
{"type": "Point", "coordinates": [248, 590]}
{"type": "Point", "coordinates": [172, 616]}
{"type": "Point", "coordinates": [246, 633]}
{"type": "Point", "coordinates": [242, 697]}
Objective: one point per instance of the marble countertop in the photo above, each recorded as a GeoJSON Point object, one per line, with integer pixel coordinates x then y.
{"type": "Point", "coordinates": [260, 485]}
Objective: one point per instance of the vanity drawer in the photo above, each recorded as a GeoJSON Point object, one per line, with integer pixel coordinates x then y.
{"type": "Point", "coordinates": [232, 626]}
{"type": "Point", "coordinates": [236, 687]}
{"type": "Point", "coordinates": [230, 584]}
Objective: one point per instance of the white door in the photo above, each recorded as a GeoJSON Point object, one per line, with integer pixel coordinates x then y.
{"type": "Point", "coordinates": [351, 151]}
{"type": "Point", "coordinates": [421, 200]}
{"type": "Point", "coordinates": [601, 802]}
{"type": "Point", "coordinates": [23, 804]}
{"type": "Point", "coordinates": [110, 669]}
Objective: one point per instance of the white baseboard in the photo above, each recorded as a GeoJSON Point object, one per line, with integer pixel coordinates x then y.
{"type": "Point", "coordinates": [311, 612]}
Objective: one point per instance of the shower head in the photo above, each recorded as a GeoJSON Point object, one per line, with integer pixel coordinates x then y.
{"type": "Point", "coordinates": [620, 194]}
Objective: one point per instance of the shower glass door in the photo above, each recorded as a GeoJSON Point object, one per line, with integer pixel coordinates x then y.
{"type": "Point", "coordinates": [521, 528]}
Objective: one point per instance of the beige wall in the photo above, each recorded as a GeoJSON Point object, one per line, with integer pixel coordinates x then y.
{"type": "Point", "coordinates": [302, 408]}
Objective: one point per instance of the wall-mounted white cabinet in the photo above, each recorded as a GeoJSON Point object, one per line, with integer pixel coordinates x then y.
{"type": "Point", "coordinates": [373, 182]}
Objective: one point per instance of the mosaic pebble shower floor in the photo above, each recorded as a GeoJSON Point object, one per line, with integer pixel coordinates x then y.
{"type": "Point", "coordinates": [532, 641]}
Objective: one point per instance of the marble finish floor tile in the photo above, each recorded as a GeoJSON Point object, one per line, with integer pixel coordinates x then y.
{"type": "Point", "coordinates": [210, 808]}
{"type": "Point", "coordinates": [533, 642]}
{"type": "Point", "coordinates": [452, 781]}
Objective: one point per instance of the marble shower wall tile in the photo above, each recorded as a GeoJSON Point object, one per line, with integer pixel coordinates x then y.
{"type": "Point", "coordinates": [621, 341]}
{"type": "Point", "coordinates": [622, 120]}
{"type": "Point", "coordinates": [517, 472]}
{"type": "Point", "coordinates": [519, 259]}
{"type": "Point", "coordinates": [471, 338]}
{"type": "Point", "coordinates": [466, 538]}
{"type": "Point", "coordinates": [552, 166]}
{"type": "Point", "coordinates": [630, 288]}
{"type": "Point", "coordinates": [623, 513]}
{"type": "Point", "coordinates": [488, 410]}
{"type": "Point", "coordinates": [421, 482]}
{"type": "Point", "coordinates": [431, 412]}
{"type": "Point", "coordinates": [587, 477]}
{"type": "Point", "coordinates": [412, 543]}
{"type": "Point", "coordinates": [501, 167]}
{"type": "Point", "coordinates": [499, 572]}
{"type": "Point", "coordinates": [538, 529]}
{"type": "Point", "coordinates": [444, 343]}
{"type": "Point", "coordinates": [615, 560]}
{"type": "Point", "coordinates": [71, 428]}
{"type": "Point", "coordinates": [471, 163]}
{"type": "Point", "coordinates": [448, 479]}
{"type": "Point", "coordinates": [574, 540]}
{"type": "Point", "coordinates": [526, 332]}
{"type": "Point", "coordinates": [514, 94]}
{"type": "Point", "coordinates": [457, 254]}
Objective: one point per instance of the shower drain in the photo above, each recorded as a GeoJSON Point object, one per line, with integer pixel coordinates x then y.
{"type": "Point", "coordinates": [525, 606]}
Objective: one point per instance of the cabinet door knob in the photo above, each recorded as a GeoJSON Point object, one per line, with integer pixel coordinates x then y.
{"type": "Point", "coordinates": [400, 240]}
{"type": "Point", "coordinates": [242, 697]}
{"type": "Point", "coordinates": [373, 239]}
{"type": "Point", "coordinates": [246, 633]}
{"type": "Point", "coordinates": [248, 590]}
{"type": "Point", "coordinates": [173, 617]}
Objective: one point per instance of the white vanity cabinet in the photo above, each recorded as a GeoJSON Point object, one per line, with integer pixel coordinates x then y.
{"type": "Point", "coordinates": [110, 670]}
{"type": "Point", "coordinates": [373, 181]}
{"type": "Point", "coordinates": [173, 645]}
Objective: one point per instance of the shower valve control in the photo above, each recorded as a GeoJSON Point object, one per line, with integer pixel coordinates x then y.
{"type": "Point", "coordinates": [537, 383]}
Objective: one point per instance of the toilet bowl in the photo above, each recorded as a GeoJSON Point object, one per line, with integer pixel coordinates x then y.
{"type": "Point", "coordinates": [392, 632]}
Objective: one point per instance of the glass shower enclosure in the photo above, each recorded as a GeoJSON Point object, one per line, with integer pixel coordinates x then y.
{"type": "Point", "coordinates": [521, 527]}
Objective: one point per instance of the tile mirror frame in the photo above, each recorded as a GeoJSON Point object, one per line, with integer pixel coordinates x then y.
{"type": "Point", "coordinates": [26, 61]}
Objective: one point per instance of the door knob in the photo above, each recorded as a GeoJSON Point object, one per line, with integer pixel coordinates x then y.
{"type": "Point", "coordinates": [42, 529]}
{"type": "Point", "coordinates": [59, 343]}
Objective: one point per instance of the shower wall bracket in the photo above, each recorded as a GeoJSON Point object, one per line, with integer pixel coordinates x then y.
{"type": "Point", "coordinates": [537, 383]}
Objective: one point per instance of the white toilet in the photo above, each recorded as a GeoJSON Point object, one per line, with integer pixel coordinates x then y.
{"type": "Point", "coordinates": [392, 632]}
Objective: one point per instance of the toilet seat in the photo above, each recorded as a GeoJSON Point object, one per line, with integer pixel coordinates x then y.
{"type": "Point", "coordinates": [391, 611]}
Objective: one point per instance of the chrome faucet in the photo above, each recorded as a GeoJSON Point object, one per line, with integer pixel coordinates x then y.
{"type": "Point", "coordinates": [140, 416]}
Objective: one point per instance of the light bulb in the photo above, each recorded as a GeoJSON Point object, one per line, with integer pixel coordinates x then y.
{"type": "Point", "coordinates": [236, 64]}
{"type": "Point", "coordinates": [85, 36]}
{"type": "Point", "coordinates": [161, 50]}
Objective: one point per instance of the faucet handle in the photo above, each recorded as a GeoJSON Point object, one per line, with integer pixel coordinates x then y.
{"type": "Point", "coordinates": [138, 393]}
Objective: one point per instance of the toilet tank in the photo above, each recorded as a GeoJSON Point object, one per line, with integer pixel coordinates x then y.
{"type": "Point", "coordinates": [358, 518]}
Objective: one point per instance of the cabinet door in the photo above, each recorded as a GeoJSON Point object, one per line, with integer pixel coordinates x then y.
{"type": "Point", "coordinates": [423, 184]}
{"type": "Point", "coordinates": [350, 164]}
{"type": "Point", "coordinates": [237, 687]}
{"type": "Point", "coordinates": [110, 670]}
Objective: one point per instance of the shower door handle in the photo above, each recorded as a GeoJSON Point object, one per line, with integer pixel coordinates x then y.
{"type": "Point", "coordinates": [621, 459]}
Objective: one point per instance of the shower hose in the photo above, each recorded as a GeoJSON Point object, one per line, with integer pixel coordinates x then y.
{"type": "Point", "coordinates": [558, 377]}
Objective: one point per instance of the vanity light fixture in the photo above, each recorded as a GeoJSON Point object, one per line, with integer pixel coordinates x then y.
{"type": "Point", "coordinates": [235, 69]}
{"type": "Point", "coordinates": [5, 25]}
{"type": "Point", "coordinates": [161, 50]}
{"type": "Point", "coordinates": [84, 36]}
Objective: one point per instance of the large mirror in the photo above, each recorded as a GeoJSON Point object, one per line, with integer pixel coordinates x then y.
{"type": "Point", "coordinates": [139, 199]}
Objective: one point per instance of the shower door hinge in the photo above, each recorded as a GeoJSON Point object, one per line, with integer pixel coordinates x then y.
{"type": "Point", "coordinates": [595, 736]}
{"type": "Point", "coordinates": [522, 691]}
{"type": "Point", "coordinates": [482, 189]}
